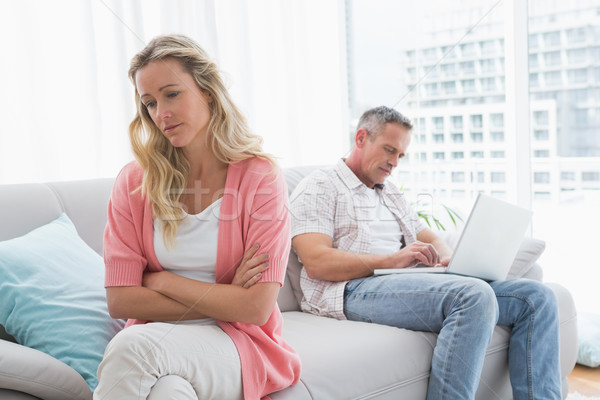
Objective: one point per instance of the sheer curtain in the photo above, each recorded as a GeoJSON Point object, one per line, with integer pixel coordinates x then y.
{"type": "Point", "coordinates": [66, 101]}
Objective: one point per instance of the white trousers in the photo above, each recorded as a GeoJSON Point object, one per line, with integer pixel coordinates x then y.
{"type": "Point", "coordinates": [169, 361]}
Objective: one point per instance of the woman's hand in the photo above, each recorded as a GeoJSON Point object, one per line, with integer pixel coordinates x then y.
{"type": "Point", "coordinates": [251, 268]}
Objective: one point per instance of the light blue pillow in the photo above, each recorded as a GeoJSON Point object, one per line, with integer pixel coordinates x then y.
{"type": "Point", "coordinates": [588, 326]}
{"type": "Point", "coordinates": [53, 298]}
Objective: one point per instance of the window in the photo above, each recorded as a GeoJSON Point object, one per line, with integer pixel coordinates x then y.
{"type": "Point", "coordinates": [468, 49]}
{"type": "Point", "coordinates": [497, 120]}
{"type": "Point", "coordinates": [458, 155]}
{"type": "Point", "coordinates": [438, 123]}
{"type": "Point", "coordinates": [468, 85]}
{"type": "Point", "coordinates": [553, 78]}
{"type": "Point", "coordinates": [488, 66]}
{"type": "Point", "coordinates": [458, 177]}
{"type": "Point", "coordinates": [457, 122]}
{"type": "Point", "coordinates": [477, 154]}
{"type": "Point", "coordinates": [576, 35]}
{"type": "Point", "coordinates": [567, 176]}
{"type": "Point", "coordinates": [488, 84]}
{"type": "Point", "coordinates": [541, 177]}
{"type": "Point", "coordinates": [457, 137]}
{"type": "Point", "coordinates": [438, 138]}
{"type": "Point", "coordinates": [476, 121]}
{"type": "Point", "coordinates": [533, 61]}
{"type": "Point", "coordinates": [533, 41]}
{"type": "Point", "coordinates": [541, 117]}
{"type": "Point", "coordinates": [497, 154]}
{"type": "Point", "coordinates": [590, 176]}
{"type": "Point", "coordinates": [577, 75]}
{"type": "Point", "coordinates": [541, 153]}
{"type": "Point", "coordinates": [497, 136]}
{"type": "Point", "coordinates": [488, 47]}
{"type": "Point", "coordinates": [552, 58]}
{"type": "Point", "coordinates": [498, 177]}
{"type": "Point", "coordinates": [449, 70]}
{"type": "Point", "coordinates": [438, 155]}
{"type": "Point", "coordinates": [576, 56]}
{"type": "Point", "coordinates": [449, 87]}
{"type": "Point", "coordinates": [467, 68]}
{"type": "Point", "coordinates": [552, 39]}
{"type": "Point", "coordinates": [476, 137]}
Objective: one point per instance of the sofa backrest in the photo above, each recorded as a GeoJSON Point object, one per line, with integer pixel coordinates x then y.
{"type": "Point", "coordinates": [24, 207]}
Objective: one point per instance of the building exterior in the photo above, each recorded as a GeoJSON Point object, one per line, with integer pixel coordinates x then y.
{"type": "Point", "coordinates": [457, 100]}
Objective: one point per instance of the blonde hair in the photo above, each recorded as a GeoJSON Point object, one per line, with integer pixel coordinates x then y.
{"type": "Point", "coordinates": [165, 167]}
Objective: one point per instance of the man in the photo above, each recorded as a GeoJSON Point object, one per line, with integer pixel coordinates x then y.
{"type": "Point", "coordinates": [347, 221]}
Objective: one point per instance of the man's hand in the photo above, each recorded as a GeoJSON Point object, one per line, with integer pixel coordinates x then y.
{"type": "Point", "coordinates": [413, 254]}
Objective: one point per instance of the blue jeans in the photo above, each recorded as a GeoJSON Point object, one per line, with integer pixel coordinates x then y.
{"type": "Point", "coordinates": [464, 311]}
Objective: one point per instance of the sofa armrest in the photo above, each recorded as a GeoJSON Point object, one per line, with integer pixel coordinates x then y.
{"type": "Point", "coordinates": [30, 371]}
{"type": "Point", "coordinates": [568, 332]}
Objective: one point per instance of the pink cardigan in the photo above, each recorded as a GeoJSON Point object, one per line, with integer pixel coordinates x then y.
{"type": "Point", "coordinates": [253, 210]}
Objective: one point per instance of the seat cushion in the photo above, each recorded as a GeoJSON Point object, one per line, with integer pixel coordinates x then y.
{"type": "Point", "coordinates": [376, 361]}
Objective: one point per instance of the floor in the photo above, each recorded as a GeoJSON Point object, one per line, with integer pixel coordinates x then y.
{"type": "Point", "coordinates": [585, 381]}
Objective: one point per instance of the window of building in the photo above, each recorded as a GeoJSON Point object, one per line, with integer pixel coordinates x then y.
{"type": "Point", "coordinates": [438, 155]}
{"type": "Point", "coordinates": [553, 78]}
{"type": "Point", "coordinates": [488, 84]}
{"type": "Point", "coordinates": [541, 135]}
{"type": "Point", "coordinates": [476, 121]}
{"type": "Point", "coordinates": [534, 81]}
{"type": "Point", "coordinates": [431, 89]}
{"type": "Point", "coordinates": [468, 49]}
{"type": "Point", "coordinates": [541, 117]}
{"type": "Point", "coordinates": [458, 155]}
{"type": "Point", "coordinates": [577, 75]}
{"type": "Point", "coordinates": [438, 123]}
{"type": "Point", "coordinates": [477, 137]}
{"type": "Point", "coordinates": [541, 153]}
{"type": "Point", "coordinates": [488, 47]}
{"type": "Point", "coordinates": [449, 70]}
{"type": "Point", "coordinates": [541, 177]}
{"type": "Point", "coordinates": [567, 176]}
{"type": "Point", "coordinates": [533, 41]}
{"type": "Point", "coordinates": [457, 137]}
{"type": "Point", "coordinates": [497, 136]}
{"type": "Point", "coordinates": [457, 122]}
{"type": "Point", "coordinates": [576, 35]}
{"type": "Point", "coordinates": [576, 56]}
{"type": "Point", "coordinates": [438, 138]}
{"type": "Point", "coordinates": [497, 154]}
{"type": "Point", "coordinates": [552, 58]}
{"type": "Point", "coordinates": [498, 177]}
{"type": "Point", "coordinates": [467, 67]}
{"type": "Point", "coordinates": [533, 61]}
{"type": "Point", "coordinates": [480, 177]}
{"type": "Point", "coordinates": [468, 85]}
{"type": "Point", "coordinates": [590, 176]}
{"type": "Point", "coordinates": [552, 39]}
{"type": "Point", "coordinates": [488, 66]}
{"type": "Point", "coordinates": [458, 176]}
{"type": "Point", "coordinates": [477, 154]}
{"type": "Point", "coordinates": [497, 120]}
{"type": "Point", "coordinates": [449, 87]}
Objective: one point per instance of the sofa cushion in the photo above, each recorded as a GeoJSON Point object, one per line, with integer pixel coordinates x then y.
{"type": "Point", "coordinates": [376, 360]}
{"type": "Point", "coordinates": [53, 297]}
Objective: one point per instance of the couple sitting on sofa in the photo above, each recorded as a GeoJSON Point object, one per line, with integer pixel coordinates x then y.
{"type": "Point", "coordinates": [213, 258]}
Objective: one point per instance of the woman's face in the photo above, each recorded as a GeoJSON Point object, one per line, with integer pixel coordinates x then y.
{"type": "Point", "coordinates": [174, 102]}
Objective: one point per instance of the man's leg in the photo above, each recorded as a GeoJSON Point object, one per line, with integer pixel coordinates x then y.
{"type": "Point", "coordinates": [462, 310]}
{"type": "Point", "coordinates": [530, 309]}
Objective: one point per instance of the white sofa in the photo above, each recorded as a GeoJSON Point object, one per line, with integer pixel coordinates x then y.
{"type": "Point", "coordinates": [340, 359]}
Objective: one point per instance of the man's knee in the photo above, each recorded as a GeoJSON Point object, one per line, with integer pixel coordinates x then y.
{"type": "Point", "coordinates": [482, 299]}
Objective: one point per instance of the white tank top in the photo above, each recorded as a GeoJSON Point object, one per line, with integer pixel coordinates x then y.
{"type": "Point", "coordinates": [194, 254]}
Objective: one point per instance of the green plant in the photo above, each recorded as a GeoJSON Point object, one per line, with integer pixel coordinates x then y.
{"type": "Point", "coordinates": [427, 217]}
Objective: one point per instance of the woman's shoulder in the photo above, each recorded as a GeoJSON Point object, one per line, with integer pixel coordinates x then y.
{"type": "Point", "coordinates": [131, 173]}
{"type": "Point", "coordinates": [255, 164]}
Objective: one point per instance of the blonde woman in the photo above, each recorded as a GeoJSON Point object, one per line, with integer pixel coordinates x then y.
{"type": "Point", "coordinates": [197, 242]}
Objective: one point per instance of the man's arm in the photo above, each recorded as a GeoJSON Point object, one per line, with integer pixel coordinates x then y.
{"type": "Point", "coordinates": [426, 235]}
{"type": "Point", "coordinates": [322, 261]}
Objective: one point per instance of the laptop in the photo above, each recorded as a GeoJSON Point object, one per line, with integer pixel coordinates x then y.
{"type": "Point", "coordinates": [487, 245]}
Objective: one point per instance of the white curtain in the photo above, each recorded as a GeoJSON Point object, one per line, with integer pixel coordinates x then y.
{"type": "Point", "coordinates": [66, 102]}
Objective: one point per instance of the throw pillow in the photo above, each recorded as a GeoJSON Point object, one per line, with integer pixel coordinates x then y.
{"type": "Point", "coordinates": [53, 297]}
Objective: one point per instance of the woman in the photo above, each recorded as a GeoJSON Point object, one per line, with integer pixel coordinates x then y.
{"type": "Point", "coordinates": [197, 241]}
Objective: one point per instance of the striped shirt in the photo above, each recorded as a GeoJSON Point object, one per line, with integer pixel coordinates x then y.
{"type": "Point", "coordinates": [335, 202]}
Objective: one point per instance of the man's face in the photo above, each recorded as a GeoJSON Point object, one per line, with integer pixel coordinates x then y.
{"type": "Point", "coordinates": [380, 156]}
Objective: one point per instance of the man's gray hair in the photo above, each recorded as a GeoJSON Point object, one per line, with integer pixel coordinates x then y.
{"type": "Point", "coordinates": [374, 120]}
